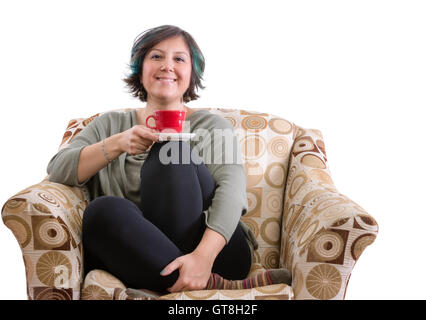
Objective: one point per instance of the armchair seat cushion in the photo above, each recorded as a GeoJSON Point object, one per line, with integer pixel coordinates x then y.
{"type": "Point", "coordinates": [101, 285]}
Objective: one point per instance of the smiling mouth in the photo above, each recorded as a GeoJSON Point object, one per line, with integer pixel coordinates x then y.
{"type": "Point", "coordinates": [166, 80]}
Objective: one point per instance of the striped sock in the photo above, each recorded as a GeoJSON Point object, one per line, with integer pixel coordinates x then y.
{"type": "Point", "coordinates": [268, 277]}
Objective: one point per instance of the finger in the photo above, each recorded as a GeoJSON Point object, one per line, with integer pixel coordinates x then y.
{"type": "Point", "coordinates": [145, 143]}
{"type": "Point", "coordinates": [146, 133]}
{"type": "Point", "coordinates": [149, 148]}
{"type": "Point", "coordinates": [172, 266]}
{"type": "Point", "coordinates": [140, 147]}
{"type": "Point", "coordinates": [176, 287]}
{"type": "Point", "coordinates": [136, 150]}
{"type": "Point", "coordinates": [185, 289]}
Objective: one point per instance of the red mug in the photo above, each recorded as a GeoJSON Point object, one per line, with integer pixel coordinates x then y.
{"type": "Point", "coordinates": [168, 120]}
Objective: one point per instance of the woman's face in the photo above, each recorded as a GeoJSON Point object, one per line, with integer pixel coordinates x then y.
{"type": "Point", "coordinates": [166, 72]}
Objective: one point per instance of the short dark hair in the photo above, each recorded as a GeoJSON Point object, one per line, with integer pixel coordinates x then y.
{"type": "Point", "coordinates": [145, 42]}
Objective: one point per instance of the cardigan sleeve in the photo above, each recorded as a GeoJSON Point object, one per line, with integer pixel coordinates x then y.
{"type": "Point", "coordinates": [62, 167]}
{"type": "Point", "coordinates": [221, 154]}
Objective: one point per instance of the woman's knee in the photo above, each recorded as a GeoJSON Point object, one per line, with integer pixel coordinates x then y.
{"type": "Point", "coordinates": [104, 211]}
{"type": "Point", "coordinates": [98, 205]}
{"type": "Point", "coordinates": [174, 152]}
{"type": "Point", "coordinates": [94, 207]}
{"type": "Point", "coordinates": [176, 161]}
{"type": "Point", "coordinates": [167, 167]}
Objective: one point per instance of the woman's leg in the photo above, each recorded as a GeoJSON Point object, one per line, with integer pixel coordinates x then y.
{"type": "Point", "coordinates": [234, 261]}
{"type": "Point", "coordinates": [174, 195]}
{"type": "Point", "coordinates": [117, 238]}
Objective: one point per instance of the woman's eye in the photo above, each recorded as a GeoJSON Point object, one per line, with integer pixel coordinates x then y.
{"type": "Point", "coordinates": [157, 56]}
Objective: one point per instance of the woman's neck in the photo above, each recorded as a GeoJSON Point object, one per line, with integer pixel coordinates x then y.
{"type": "Point", "coordinates": [152, 106]}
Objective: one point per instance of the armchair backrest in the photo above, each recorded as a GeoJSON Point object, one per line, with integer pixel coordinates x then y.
{"type": "Point", "coordinates": [266, 141]}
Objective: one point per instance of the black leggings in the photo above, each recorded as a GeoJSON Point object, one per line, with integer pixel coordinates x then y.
{"type": "Point", "coordinates": [136, 245]}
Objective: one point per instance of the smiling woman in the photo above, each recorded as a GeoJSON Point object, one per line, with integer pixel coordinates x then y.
{"type": "Point", "coordinates": [153, 225]}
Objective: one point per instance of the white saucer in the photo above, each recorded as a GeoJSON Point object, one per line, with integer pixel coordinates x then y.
{"type": "Point", "coordinates": [173, 136]}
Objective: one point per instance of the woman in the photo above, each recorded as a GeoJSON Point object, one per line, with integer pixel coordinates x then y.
{"type": "Point", "coordinates": [158, 226]}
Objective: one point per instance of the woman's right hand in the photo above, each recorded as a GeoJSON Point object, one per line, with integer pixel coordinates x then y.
{"type": "Point", "coordinates": [137, 139]}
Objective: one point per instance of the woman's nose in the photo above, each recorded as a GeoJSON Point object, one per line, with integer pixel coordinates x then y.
{"type": "Point", "coordinates": [167, 65]}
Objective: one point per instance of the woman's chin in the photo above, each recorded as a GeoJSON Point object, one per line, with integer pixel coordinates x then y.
{"type": "Point", "coordinates": [165, 98]}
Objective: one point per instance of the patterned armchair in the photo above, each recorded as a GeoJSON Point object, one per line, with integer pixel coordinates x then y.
{"type": "Point", "coordinates": [299, 218]}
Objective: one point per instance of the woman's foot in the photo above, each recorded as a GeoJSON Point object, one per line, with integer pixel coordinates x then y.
{"type": "Point", "coordinates": [265, 278]}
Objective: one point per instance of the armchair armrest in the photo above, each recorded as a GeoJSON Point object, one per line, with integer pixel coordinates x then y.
{"type": "Point", "coordinates": [46, 220]}
{"type": "Point", "coordinates": [323, 231]}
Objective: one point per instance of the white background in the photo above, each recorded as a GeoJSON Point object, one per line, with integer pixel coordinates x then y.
{"type": "Point", "coordinates": [356, 70]}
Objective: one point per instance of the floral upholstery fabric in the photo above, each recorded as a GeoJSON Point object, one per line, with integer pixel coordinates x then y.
{"type": "Point", "coordinates": [299, 218]}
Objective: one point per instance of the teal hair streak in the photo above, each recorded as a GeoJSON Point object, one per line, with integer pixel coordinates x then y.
{"type": "Point", "coordinates": [196, 58]}
{"type": "Point", "coordinates": [135, 65]}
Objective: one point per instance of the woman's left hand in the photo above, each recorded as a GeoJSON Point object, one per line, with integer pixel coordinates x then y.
{"type": "Point", "coordinates": [194, 272]}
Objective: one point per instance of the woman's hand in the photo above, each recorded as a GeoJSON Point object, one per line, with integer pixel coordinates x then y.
{"type": "Point", "coordinates": [137, 139]}
{"type": "Point", "coordinates": [194, 272]}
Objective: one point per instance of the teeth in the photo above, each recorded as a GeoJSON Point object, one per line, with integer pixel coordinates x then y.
{"type": "Point", "coordinates": [163, 79]}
